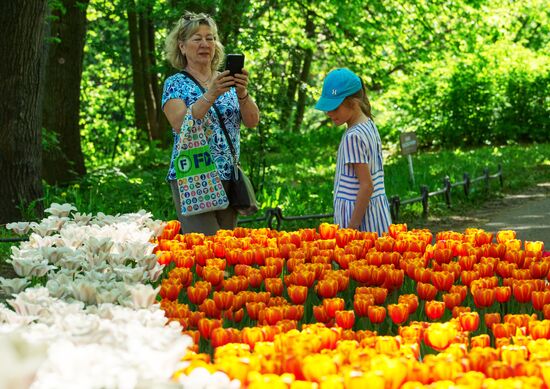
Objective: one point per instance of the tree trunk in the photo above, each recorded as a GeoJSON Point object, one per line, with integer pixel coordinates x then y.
{"type": "Point", "coordinates": [62, 84]}
{"type": "Point", "coordinates": [292, 86]}
{"type": "Point", "coordinates": [304, 76]}
{"type": "Point", "coordinates": [21, 72]}
{"type": "Point", "coordinates": [145, 80]}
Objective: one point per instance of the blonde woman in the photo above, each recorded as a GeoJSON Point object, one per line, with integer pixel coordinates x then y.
{"type": "Point", "coordinates": [193, 48]}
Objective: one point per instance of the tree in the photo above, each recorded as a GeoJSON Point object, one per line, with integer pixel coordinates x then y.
{"type": "Point", "coordinates": [146, 83]}
{"type": "Point", "coordinates": [21, 45]}
{"type": "Point", "coordinates": [62, 84]}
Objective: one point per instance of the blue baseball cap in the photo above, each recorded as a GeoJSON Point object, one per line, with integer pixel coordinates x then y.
{"type": "Point", "coordinates": [338, 84]}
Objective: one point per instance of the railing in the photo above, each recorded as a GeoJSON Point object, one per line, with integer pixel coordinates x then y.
{"type": "Point", "coordinates": [275, 215]}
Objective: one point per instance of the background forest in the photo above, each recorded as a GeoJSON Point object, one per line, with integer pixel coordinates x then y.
{"type": "Point", "coordinates": [464, 75]}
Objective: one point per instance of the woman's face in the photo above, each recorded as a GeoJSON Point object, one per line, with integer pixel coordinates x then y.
{"type": "Point", "coordinates": [200, 47]}
{"type": "Point", "coordinates": [343, 114]}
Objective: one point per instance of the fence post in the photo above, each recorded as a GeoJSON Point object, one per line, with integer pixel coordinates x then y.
{"type": "Point", "coordinates": [486, 178]}
{"type": "Point", "coordinates": [466, 184]}
{"type": "Point", "coordinates": [274, 213]}
{"type": "Point", "coordinates": [447, 186]}
{"type": "Point", "coordinates": [394, 208]}
{"type": "Point", "coordinates": [424, 192]}
{"type": "Point", "coordinates": [500, 179]}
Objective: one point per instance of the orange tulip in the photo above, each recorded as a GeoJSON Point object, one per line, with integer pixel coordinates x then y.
{"type": "Point", "coordinates": [297, 294]}
{"type": "Point", "coordinates": [535, 247]}
{"type": "Point", "coordinates": [539, 269]}
{"type": "Point", "coordinates": [439, 335]}
{"type": "Point", "coordinates": [271, 315]}
{"type": "Point", "coordinates": [505, 235]}
{"type": "Point", "coordinates": [208, 306]}
{"type": "Point", "coordinates": [442, 280]}
{"type": "Point", "coordinates": [499, 370]}
{"type": "Point", "coordinates": [442, 255]}
{"type": "Point", "coordinates": [540, 299]}
{"type": "Point", "coordinates": [395, 229]}
{"type": "Point", "coordinates": [254, 308]}
{"type": "Point", "coordinates": [213, 275]}
{"type": "Point", "coordinates": [328, 231]}
{"type": "Point", "coordinates": [503, 293]}
{"type": "Point", "coordinates": [170, 290]}
{"type": "Point", "coordinates": [206, 326]}
{"type": "Point", "coordinates": [491, 318]}
{"type": "Point", "coordinates": [320, 314]}
{"type": "Point", "coordinates": [411, 300]}
{"type": "Point", "coordinates": [362, 302]}
{"type": "Point", "coordinates": [293, 312]}
{"type": "Point", "coordinates": [469, 321]}
{"type": "Point", "coordinates": [376, 314]}
{"type": "Point", "coordinates": [484, 297]}
{"type": "Point", "coordinates": [332, 305]}
{"type": "Point", "coordinates": [399, 313]}
{"type": "Point", "coordinates": [252, 335]}
{"type": "Point", "coordinates": [220, 336]}
{"type": "Point", "coordinates": [426, 291]}
{"type": "Point", "coordinates": [539, 329]}
{"type": "Point", "coordinates": [223, 300]}
{"type": "Point", "coordinates": [452, 300]}
{"type": "Point", "coordinates": [483, 340]}
{"type": "Point", "coordinates": [345, 319]}
{"type": "Point", "coordinates": [522, 291]}
{"type": "Point", "coordinates": [434, 309]}
{"type": "Point", "coordinates": [197, 294]}
{"type": "Point", "coordinates": [327, 288]}
{"type": "Point", "coordinates": [274, 286]}
{"type": "Point", "coordinates": [503, 330]}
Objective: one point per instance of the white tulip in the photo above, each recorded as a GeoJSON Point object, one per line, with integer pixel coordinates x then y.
{"type": "Point", "coordinates": [60, 210]}
{"type": "Point", "coordinates": [13, 285]}
{"type": "Point", "coordinates": [20, 228]}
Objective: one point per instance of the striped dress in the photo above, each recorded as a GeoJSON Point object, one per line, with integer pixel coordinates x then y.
{"type": "Point", "coordinates": [361, 144]}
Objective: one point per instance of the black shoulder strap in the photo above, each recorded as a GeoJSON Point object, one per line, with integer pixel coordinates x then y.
{"type": "Point", "coordinates": [218, 113]}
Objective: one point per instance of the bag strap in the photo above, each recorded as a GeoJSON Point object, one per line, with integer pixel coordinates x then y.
{"type": "Point", "coordinates": [219, 115]}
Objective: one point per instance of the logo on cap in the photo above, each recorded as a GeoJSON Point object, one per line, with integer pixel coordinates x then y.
{"type": "Point", "coordinates": [334, 92]}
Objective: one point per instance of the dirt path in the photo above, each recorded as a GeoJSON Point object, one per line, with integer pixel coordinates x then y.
{"type": "Point", "coordinates": [528, 213]}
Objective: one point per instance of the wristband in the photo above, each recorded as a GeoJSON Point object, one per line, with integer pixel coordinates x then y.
{"type": "Point", "coordinates": [204, 97]}
{"type": "Point", "coordinates": [243, 98]}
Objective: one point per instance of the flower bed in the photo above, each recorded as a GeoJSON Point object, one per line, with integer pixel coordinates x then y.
{"type": "Point", "coordinates": [313, 308]}
{"type": "Point", "coordinates": [340, 308]}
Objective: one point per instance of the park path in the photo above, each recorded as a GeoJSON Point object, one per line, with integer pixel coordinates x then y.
{"type": "Point", "coordinates": [528, 213]}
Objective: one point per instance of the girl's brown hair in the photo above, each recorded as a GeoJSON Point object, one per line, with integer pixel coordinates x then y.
{"type": "Point", "coordinates": [363, 99]}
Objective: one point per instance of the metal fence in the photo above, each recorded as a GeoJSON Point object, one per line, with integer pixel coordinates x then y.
{"type": "Point", "coordinates": [273, 217]}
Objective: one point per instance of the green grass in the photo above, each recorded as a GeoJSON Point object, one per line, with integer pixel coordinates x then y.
{"type": "Point", "coordinates": [301, 182]}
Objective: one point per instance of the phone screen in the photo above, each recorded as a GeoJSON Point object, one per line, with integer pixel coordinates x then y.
{"type": "Point", "coordinates": [234, 63]}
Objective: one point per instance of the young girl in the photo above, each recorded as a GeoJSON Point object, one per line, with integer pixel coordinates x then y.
{"type": "Point", "coordinates": [360, 200]}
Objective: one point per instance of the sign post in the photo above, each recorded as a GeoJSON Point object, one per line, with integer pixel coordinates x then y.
{"type": "Point", "coordinates": [409, 145]}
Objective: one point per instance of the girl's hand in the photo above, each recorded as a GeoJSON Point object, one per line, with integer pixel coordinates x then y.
{"type": "Point", "coordinates": [241, 84]}
{"type": "Point", "coordinates": [219, 85]}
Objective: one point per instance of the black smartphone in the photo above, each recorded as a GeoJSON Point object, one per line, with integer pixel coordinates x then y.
{"type": "Point", "coordinates": [234, 63]}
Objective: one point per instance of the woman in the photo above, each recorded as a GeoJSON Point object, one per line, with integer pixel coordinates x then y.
{"type": "Point", "coordinates": [360, 200]}
{"type": "Point", "coordinates": [193, 46]}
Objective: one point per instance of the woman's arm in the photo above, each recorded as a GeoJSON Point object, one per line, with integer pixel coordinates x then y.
{"type": "Point", "coordinates": [249, 110]}
{"type": "Point", "coordinates": [175, 110]}
{"type": "Point", "coordinates": [366, 187]}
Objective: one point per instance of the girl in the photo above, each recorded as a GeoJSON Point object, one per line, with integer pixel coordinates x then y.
{"type": "Point", "coordinates": [360, 200]}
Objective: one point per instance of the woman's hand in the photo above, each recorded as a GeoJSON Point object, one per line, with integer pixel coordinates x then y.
{"type": "Point", "coordinates": [241, 84]}
{"type": "Point", "coordinates": [219, 85]}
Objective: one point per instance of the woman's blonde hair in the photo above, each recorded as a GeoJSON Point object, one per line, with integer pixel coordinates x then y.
{"type": "Point", "coordinates": [185, 27]}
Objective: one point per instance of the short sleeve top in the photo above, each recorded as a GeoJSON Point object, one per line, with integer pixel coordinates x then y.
{"type": "Point", "coordinates": [179, 86]}
{"type": "Point", "coordinates": [360, 144]}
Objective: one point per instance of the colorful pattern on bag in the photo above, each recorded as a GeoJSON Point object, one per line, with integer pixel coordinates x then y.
{"type": "Point", "coordinates": [199, 184]}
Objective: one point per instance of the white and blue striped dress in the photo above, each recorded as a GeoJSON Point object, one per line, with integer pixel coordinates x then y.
{"type": "Point", "coordinates": [361, 144]}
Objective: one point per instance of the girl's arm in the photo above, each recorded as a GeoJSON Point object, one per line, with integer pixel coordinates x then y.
{"type": "Point", "coordinates": [366, 187]}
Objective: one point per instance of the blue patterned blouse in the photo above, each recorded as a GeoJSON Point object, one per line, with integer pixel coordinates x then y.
{"type": "Point", "coordinates": [181, 87]}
